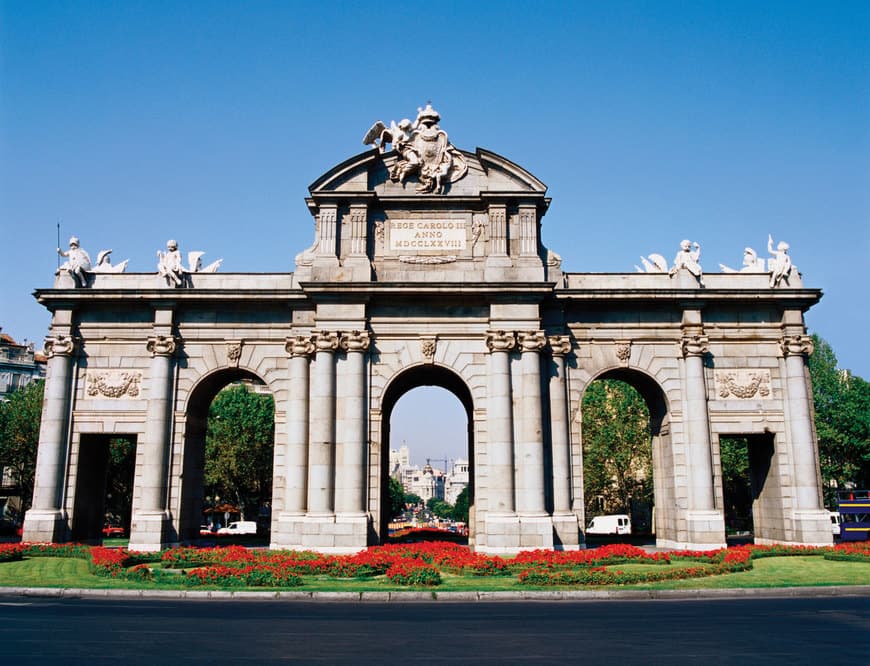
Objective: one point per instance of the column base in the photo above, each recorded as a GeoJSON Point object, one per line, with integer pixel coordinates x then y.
{"type": "Point", "coordinates": [148, 531]}
{"type": "Point", "coordinates": [287, 531]}
{"type": "Point", "coordinates": [500, 534]}
{"type": "Point", "coordinates": [566, 532]}
{"type": "Point", "coordinates": [339, 534]}
{"type": "Point", "coordinates": [812, 528]}
{"type": "Point", "coordinates": [536, 531]}
{"type": "Point", "coordinates": [705, 530]}
{"type": "Point", "coordinates": [45, 526]}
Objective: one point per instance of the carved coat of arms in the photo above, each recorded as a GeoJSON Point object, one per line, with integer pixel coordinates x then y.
{"type": "Point", "coordinates": [424, 150]}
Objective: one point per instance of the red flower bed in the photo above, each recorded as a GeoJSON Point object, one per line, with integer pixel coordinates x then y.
{"type": "Point", "coordinates": [411, 572]}
{"type": "Point", "coordinates": [107, 561]}
{"type": "Point", "coordinates": [11, 551]}
{"type": "Point", "coordinates": [245, 576]}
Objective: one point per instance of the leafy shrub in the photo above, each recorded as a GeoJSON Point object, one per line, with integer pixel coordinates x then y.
{"type": "Point", "coordinates": [414, 573]}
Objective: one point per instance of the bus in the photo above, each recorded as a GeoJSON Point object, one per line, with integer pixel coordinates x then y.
{"type": "Point", "coordinates": [854, 507]}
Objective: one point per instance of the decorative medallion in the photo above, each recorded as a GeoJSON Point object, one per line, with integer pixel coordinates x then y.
{"type": "Point", "coordinates": [114, 383]}
{"type": "Point", "coordinates": [742, 384]}
{"type": "Point", "coordinates": [623, 351]}
{"type": "Point", "coordinates": [234, 352]}
{"type": "Point", "coordinates": [161, 345]}
{"type": "Point", "coordinates": [427, 348]}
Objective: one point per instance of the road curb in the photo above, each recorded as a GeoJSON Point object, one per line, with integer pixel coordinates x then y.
{"type": "Point", "coordinates": [432, 596]}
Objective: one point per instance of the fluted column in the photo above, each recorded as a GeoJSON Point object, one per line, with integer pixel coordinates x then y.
{"type": "Point", "coordinates": [530, 442]}
{"type": "Point", "coordinates": [795, 349]}
{"type": "Point", "coordinates": [560, 347]}
{"type": "Point", "coordinates": [500, 445]}
{"type": "Point", "coordinates": [351, 435]}
{"type": "Point", "coordinates": [321, 444]}
{"type": "Point", "coordinates": [697, 424]}
{"type": "Point", "coordinates": [54, 428]}
{"type": "Point", "coordinates": [300, 349]}
{"type": "Point", "coordinates": [157, 427]}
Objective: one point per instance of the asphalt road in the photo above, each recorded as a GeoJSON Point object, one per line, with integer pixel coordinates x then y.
{"type": "Point", "coordinates": [739, 631]}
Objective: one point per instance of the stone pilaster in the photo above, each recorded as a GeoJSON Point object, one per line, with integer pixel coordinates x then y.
{"type": "Point", "coordinates": [704, 523]}
{"type": "Point", "coordinates": [536, 526]}
{"type": "Point", "coordinates": [46, 520]}
{"type": "Point", "coordinates": [530, 442]}
{"type": "Point", "coordinates": [497, 258]}
{"type": "Point", "coordinates": [351, 445]}
{"type": "Point", "coordinates": [565, 522]}
{"type": "Point", "coordinates": [321, 444]}
{"type": "Point", "coordinates": [356, 265]}
{"type": "Point", "coordinates": [811, 524]}
{"type": "Point", "coordinates": [148, 531]}
{"type": "Point", "coordinates": [502, 526]}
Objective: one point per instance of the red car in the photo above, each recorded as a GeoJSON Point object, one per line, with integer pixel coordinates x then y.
{"type": "Point", "coordinates": [113, 531]}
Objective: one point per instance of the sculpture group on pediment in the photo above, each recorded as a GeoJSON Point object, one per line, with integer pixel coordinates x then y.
{"type": "Point", "coordinates": [779, 266]}
{"type": "Point", "coordinates": [688, 259]}
{"type": "Point", "coordinates": [424, 150]}
{"type": "Point", "coordinates": [78, 263]}
{"type": "Point", "coordinates": [171, 267]}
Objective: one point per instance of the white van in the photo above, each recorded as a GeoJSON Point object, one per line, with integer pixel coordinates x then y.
{"type": "Point", "coordinates": [618, 523]}
{"type": "Point", "coordinates": [836, 520]}
{"type": "Point", "coordinates": [239, 527]}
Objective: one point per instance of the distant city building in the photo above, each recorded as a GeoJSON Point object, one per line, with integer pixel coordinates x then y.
{"type": "Point", "coordinates": [456, 481]}
{"type": "Point", "coordinates": [20, 364]}
{"type": "Point", "coordinates": [429, 481]}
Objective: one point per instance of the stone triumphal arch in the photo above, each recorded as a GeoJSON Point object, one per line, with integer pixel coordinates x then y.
{"type": "Point", "coordinates": [427, 267]}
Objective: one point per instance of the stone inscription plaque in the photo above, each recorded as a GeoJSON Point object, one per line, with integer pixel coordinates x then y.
{"type": "Point", "coordinates": [427, 235]}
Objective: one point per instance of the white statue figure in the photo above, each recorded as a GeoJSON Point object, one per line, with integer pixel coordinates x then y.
{"type": "Point", "coordinates": [779, 265]}
{"type": "Point", "coordinates": [654, 263]}
{"type": "Point", "coordinates": [687, 258]}
{"type": "Point", "coordinates": [751, 263]}
{"type": "Point", "coordinates": [78, 262]}
{"type": "Point", "coordinates": [424, 150]}
{"type": "Point", "coordinates": [169, 264]}
{"type": "Point", "coordinates": [104, 264]}
{"type": "Point", "coordinates": [171, 267]}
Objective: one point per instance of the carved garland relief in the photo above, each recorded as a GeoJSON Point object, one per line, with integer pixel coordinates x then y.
{"type": "Point", "coordinates": [114, 383]}
{"type": "Point", "coordinates": [742, 384]}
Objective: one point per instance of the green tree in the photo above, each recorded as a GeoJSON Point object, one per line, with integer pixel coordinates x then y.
{"type": "Point", "coordinates": [439, 507]}
{"type": "Point", "coordinates": [617, 451]}
{"type": "Point", "coordinates": [734, 456]}
{"type": "Point", "coordinates": [19, 437]}
{"type": "Point", "coordinates": [842, 416]}
{"type": "Point", "coordinates": [397, 497]}
{"type": "Point", "coordinates": [460, 509]}
{"type": "Point", "coordinates": [119, 482]}
{"type": "Point", "coordinates": [239, 444]}
{"type": "Point", "coordinates": [412, 498]}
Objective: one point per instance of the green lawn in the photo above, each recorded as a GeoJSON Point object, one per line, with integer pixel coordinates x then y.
{"type": "Point", "coordinates": [767, 572]}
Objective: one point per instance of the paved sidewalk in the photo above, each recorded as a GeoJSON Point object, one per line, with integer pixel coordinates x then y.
{"type": "Point", "coordinates": [434, 595]}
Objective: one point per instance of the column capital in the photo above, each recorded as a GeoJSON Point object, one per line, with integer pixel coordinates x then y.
{"type": "Point", "coordinates": [796, 345]}
{"type": "Point", "coordinates": [531, 341]}
{"type": "Point", "coordinates": [299, 345]}
{"type": "Point", "coordinates": [355, 341]}
{"type": "Point", "coordinates": [560, 345]}
{"type": "Point", "coordinates": [694, 345]}
{"type": "Point", "coordinates": [60, 345]}
{"type": "Point", "coordinates": [162, 345]}
{"type": "Point", "coordinates": [325, 341]}
{"type": "Point", "coordinates": [500, 341]}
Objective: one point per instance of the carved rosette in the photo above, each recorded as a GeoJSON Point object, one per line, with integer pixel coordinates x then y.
{"type": "Point", "coordinates": [694, 345]}
{"type": "Point", "coordinates": [623, 351]}
{"type": "Point", "coordinates": [60, 345]}
{"type": "Point", "coordinates": [234, 352]}
{"type": "Point", "coordinates": [794, 345]}
{"type": "Point", "coordinates": [742, 384]}
{"type": "Point", "coordinates": [355, 341]}
{"type": "Point", "coordinates": [560, 345]}
{"type": "Point", "coordinates": [299, 345]}
{"type": "Point", "coordinates": [531, 341]}
{"type": "Point", "coordinates": [114, 383]}
{"type": "Point", "coordinates": [428, 345]}
{"type": "Point", "coordinates": [500, 341]}
{"type": "Point", "coordinates": [162, 345]}
{"type": "Point", "coordinates": [325, 341]}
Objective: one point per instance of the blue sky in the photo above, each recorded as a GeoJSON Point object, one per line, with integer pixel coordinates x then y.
{"type": "Point", "coordinates": [134, 122]}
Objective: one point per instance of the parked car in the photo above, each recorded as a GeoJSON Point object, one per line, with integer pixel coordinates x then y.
{"type": "Point", "coordinates": [239, 527]}
{"type": "Point", "coordinates": [618, 523]}
{"type": "Point", "coordinates": [113, 531]}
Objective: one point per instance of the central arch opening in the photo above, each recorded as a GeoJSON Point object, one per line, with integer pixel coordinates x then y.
{"type": "Point", "coordinates": [427, 475]}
